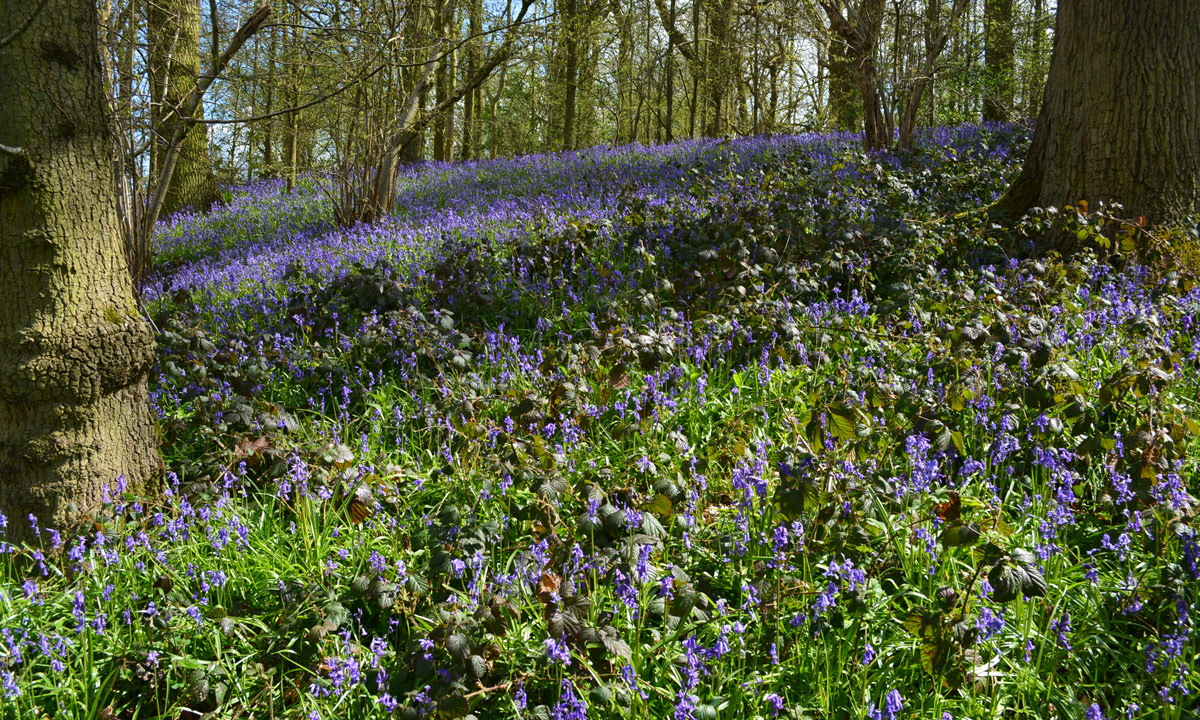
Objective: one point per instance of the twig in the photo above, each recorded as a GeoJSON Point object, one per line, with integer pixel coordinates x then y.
{"type": "Point", "coordinates": [482, 690]}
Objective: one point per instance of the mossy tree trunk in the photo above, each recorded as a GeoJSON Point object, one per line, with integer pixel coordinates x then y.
{"type": "Point", "coordinates": [570, 39]}
{"type": "Point", "coordinates": [998, 48]}
{"type": "Point", "coordinates": [174, 64]}
{"type": "Point", "coordinates": [1118, 121]}
{"type": "Point", "coordinates": [74, 352]}
{"type": "Point", "coordinates": [845, 105]}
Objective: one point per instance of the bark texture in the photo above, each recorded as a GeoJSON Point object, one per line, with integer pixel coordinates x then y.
{"type": "Point", "coordinates": [998, 58]}
{"type": "Point", "coordinates": [74, 353]}
{"type": "Point", "coordinates": [1118, 120]}
{"type": "Point", "coordinates": [845, 106]}
{"type": "Point", "coordinates": [174, 33]}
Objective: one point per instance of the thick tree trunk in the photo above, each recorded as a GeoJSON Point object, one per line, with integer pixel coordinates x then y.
{"type": "Point", "coordinates": [844, 104]}
{"type": "Point", "coordinates": [174, 59]}
{"type": "Point", "coordinates": [1118, 119]}
{"type": "Point", "coordinates": [719, 58]}
{"type": "Point", "coordinates": [74, 353]}
{"type": "Point", "coordinates": [998, 59]}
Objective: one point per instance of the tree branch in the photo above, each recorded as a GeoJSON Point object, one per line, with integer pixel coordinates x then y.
{"type": "Point", "coordinates": [188, 108]}
{"type": "Point", "coordinates": [677, 37]}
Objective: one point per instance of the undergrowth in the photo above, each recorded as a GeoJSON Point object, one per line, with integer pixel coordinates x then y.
{"type": "Point", "coordinates": [790, 435]}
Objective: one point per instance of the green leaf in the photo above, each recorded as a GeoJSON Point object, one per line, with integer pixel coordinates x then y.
{"type": "Point", "coordinates": [618, 647]}
{"type": "Point", "coordinates": [459, 646]}
{"type": "Point", "coordinates": [1024, 558]}
{"type": "Point", "coordinates": [958, 535]}
{"type": "Point", "coordinates": [1034, 584]}
{"type": "Point", "coordinates": [477, 666]}
{"type": "Point", "coordinates": [660, 506]}
{"type": "Point", "coordinates": [923, 623]}
{"type": "Point", "coordinates": [1006, 581]}
{"type": "Point", "coordinates": [843, 422]}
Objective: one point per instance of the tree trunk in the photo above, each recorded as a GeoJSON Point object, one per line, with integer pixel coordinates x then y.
{"type": "Point", "coordinates": [269, 169]}
{"type": "Point", "coordinates": [861, 36]}
{"type": "Point", "coordinates": [441, 86]}
{"type": "Point", "coordinates": [718, 24]}
{"type": "Point", "coordinates": [570, 31]}
{"type": "Point", "coordinates": [936, 37]}
{"type": "Point", "coordinates": [624, 80]}
{"type": "Point", "coordinates": [998, 59]}
{"type": "Point", "coordinates": [670, 90]}
{"type": "Point", "coordinates": [291, 121]}
{"type": "Point", "coordinates": [1118, 119]}
{"type": "Point", "coordinates": [1035, 74]}
{"type": "Point", "coordinates": [844, 105]}
{"type": "Point", "coordinates": [74, 353]}
{"type": "Point", "coordinates": [471, 102]}
{"type": "Point", "coordinates": [697, 73]}
{"type": "Point", "coordinates": [174, 60]}
{"type": "Point", "coordinates": [414, 149]}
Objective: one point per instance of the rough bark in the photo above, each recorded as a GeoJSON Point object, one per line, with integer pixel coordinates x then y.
{"type": "Point", "coordinates": [844, 104]}
{"type": "Point", "coordinates": [570, 31]}
{"type": "Point", "coordinates": [74, 353]}
{"type": "Point", "coordinates": [1118, 118]}
{"type": "Point", "coordinates": [174, 60]}
{"type": "Point", "coordinates": [471, 103]}
{"type": "Point", "coordinates": [720, 59]}
{"type": "Point", "coordinates": [998, 59]}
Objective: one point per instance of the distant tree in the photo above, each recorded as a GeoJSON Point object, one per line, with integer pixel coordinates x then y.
{"type": "Point", "coordinates": [998, 48]}
{"type": "Point", "coordinates": [74, 351]}
{"type": "Point", "coordinates": [174, 65]}
{"type": "Point", "coordinates": [858, 27]}
{"type": "Point", "coordinates": [1119, 119]}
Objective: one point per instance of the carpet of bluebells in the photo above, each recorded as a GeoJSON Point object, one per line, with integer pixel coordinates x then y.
{"type": "Point", "coordinates": [744, 429]}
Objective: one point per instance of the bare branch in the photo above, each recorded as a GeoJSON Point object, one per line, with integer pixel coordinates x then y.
{"type": "Point", "coordinates": [437, 55]}
{"type": "Point", "coordinates": [188, 108]}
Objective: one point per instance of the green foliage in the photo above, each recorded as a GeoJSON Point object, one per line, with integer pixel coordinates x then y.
{"type": "Point", "coordinates": [820, 441]}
